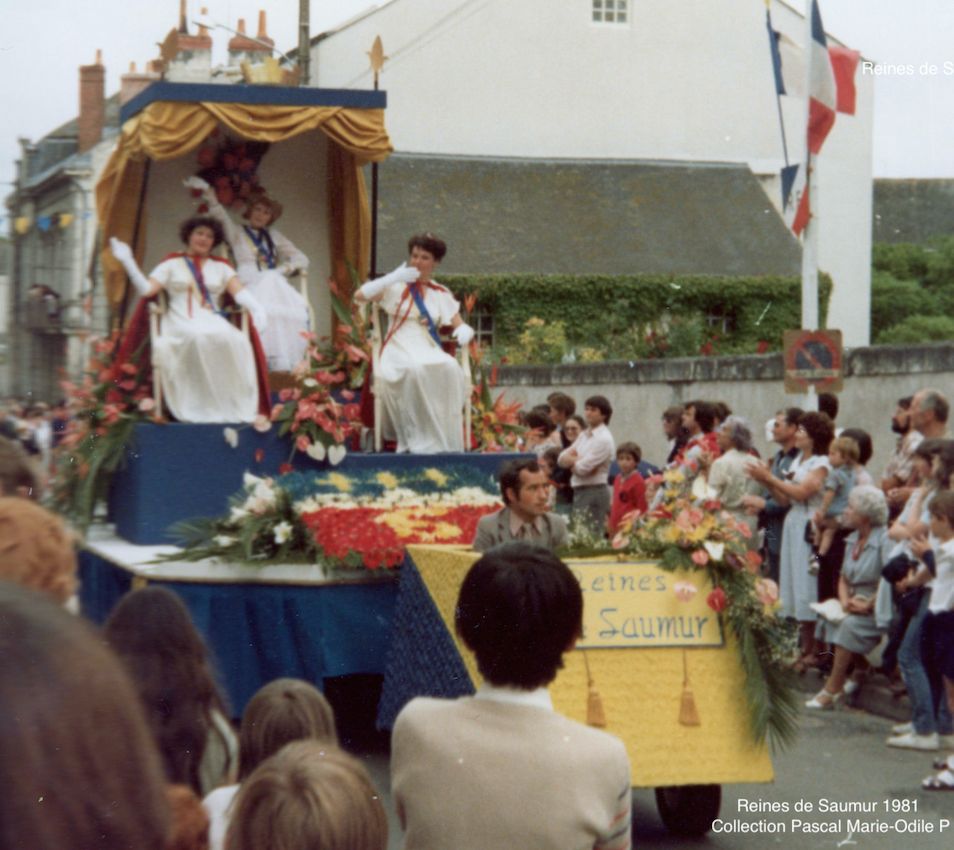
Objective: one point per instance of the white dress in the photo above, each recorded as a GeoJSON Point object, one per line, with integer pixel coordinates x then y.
{"type": "Point", "coordinates": [207, 364]}
{"type": "Point", "coordinates": [257, 268]}
{"type": "Point", "coordinates": [797, 587]}
{"type": "Point", "coordinates": [422, 388]}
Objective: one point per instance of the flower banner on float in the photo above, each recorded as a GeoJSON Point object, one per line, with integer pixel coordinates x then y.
{"type": "Point", "coordinates": [364, 519]}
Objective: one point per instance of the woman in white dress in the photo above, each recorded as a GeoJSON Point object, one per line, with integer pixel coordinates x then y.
{"type": "Point", "coordinates": [422, 388]}
{"type": "Point", "coordinates": [802, 489]}
{"type": "Point", "coordinates": [265, 260]}
{"type": "Point", "coordinates": [207, 364]}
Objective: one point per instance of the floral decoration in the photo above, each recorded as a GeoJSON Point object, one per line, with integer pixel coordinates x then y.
{"type": "Point", "coordinates": [495, 423]}
{"type": "Point", "coordinates": [230, 167]}
{"type": "Point", "coordinates": [360, 520]}
{"type": "Point", "coordinates": [685, 532]}
{"type": "Point", "coordinates": [321, 412]}
{"type": "Point", "coordinates": [105, 406]}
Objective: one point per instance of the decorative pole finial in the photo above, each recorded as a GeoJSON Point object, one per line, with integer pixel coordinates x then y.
{"type": "Point", "coordinates": [376, 54]}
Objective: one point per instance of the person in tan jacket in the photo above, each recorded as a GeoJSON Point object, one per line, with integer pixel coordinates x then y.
{"type": "Point", "coordinates": [502, 768]}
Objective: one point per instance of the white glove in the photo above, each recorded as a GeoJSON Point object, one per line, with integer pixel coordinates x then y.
{"type": "Point", "coordinates": [245, 299]}
{"type": "Point", "coordinates": [463, 334]}
{"type": "Point", "coordinates": [124, 255]}
{"type": "Point", "coordinates": [196, 183]}
{"type": "Point", "coordinates": [287, 269]}
{"type": "Point", "coordinates": [402, 274]}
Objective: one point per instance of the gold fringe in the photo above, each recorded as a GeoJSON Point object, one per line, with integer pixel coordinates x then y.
{"type": "Point", "coordinates": [688, 713]}
{"type": "Point", "coordinates": [595, 715]}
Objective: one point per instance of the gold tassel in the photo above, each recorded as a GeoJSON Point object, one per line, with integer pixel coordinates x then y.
{"type": "Point", "coordinates": [688, 713]}
{"type": "Point", "coordinates": [595, 715]}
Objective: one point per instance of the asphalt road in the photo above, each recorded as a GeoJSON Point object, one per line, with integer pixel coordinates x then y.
{"type": "Point", "coordinates": [839, 766]}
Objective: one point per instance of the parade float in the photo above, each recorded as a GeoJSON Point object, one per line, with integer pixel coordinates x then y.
{"type": "Point", "coordinates": [300, 552]}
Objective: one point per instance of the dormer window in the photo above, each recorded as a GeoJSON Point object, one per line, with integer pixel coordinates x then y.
{"type": "Point", "coordinates": [610, 11]}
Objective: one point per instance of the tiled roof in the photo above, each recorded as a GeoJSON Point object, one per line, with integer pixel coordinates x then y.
{"type": "Point", "coordinates": [592, 216]}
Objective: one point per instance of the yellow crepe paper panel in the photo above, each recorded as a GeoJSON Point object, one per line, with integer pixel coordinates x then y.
{"type": "Point", "coordinates": [641, 691]}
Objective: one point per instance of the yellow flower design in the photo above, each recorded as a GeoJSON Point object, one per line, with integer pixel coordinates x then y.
{"type": "Point", "coordinates": [386, 479]}
{"type": "Point", "coordinates": [436, 476]}
{"type": "Point", "coordinates": [340, 482]}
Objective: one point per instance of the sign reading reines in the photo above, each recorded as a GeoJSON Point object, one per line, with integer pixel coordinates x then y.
{"type": "Point", "coordinates": [630, 605]}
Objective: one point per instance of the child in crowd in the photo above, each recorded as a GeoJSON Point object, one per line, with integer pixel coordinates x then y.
{"type": "Point", "coordinates": [629, 488]}
{"type": "Point", "coordinates": [283, 711]}
{"type": "Point", "coordinates": [843, 456]}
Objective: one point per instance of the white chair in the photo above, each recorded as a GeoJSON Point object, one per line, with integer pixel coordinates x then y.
{"type": "Point", "coordinates": [302, 276]}
{"type": "Point", "coordinates": [376, 318]}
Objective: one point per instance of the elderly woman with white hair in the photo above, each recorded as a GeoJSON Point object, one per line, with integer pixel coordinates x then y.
{"type": "Point", "coordinates": [867, 550]}
{"type": "Point", "coordinates": [727, 478]}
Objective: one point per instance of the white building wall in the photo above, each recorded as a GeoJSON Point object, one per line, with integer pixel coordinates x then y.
{"type": "Point", "coordinates": [681, 81]}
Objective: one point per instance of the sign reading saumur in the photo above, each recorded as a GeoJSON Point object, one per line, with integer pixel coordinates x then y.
{"type": "Point", "coordinates": [630, 605]}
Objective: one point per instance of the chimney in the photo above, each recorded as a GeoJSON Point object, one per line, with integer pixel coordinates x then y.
{"type": "Point", "coordinates": [133, 82]}
{"type": "Point", "coordinates": [242, 48]}
{"type": "Point", "coordinates": [92, 103]}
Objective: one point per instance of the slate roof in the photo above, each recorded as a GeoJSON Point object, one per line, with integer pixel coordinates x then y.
{"type": "Point", "coordinates": [912, 210]}
{"type": "Point", "coordinates": [583, 216]}
{"type": "Point", "coordinates": [58, 146]}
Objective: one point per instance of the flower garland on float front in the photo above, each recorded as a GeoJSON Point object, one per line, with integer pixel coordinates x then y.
{"type": "Point", "coordinates": [688, 530]}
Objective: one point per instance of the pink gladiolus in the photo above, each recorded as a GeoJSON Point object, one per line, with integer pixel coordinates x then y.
{"type": "Point", "coordinates": [620, 541]}
{"type": "Point", "coordinates": [147, 404]}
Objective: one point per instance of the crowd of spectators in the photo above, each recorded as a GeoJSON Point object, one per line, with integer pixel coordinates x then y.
{"type": "Point", "coordinates": [862, 564]}
{"type": "Point", "coordinates": [122, 737]}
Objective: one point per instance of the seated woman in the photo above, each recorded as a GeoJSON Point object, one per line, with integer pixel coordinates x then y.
{"type": "Point", "coordinates": [422, 388]}
{"type": "Point", "coordinates": [866, 552]}
{"type": "Point", "coordinates": [208, 365]}
{"type": "Point", "coordinates": [266, 259]}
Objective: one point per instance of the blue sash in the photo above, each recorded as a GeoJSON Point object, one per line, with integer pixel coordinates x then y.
{"type": "Point", "coordinates": [265, 246]}
{"type": "Point", "coordinates": [200, 282]}
{"type": "Point", "coordinates": [422, 309]}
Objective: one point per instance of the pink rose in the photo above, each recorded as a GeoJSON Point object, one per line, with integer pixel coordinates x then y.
{"type": "Point", "coordinates": [700, 557]}
{"type": "Point", "coordinates": [766, 591]}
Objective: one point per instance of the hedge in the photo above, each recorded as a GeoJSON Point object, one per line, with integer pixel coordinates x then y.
{"type": "Point", "coordinates": [599, 309]}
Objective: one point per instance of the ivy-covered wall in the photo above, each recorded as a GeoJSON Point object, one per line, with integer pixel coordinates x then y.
{"type": "Point", "coordinates": [614, 317]}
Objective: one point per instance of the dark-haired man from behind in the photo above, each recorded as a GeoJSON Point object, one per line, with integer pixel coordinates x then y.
{"type": "Point", "coordinates": [502, 769]}
{"type": "Point", "coordinates": [525, 489]}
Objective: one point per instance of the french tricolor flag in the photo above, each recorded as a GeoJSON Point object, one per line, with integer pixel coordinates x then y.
{"type": "Point", "coordinates": [795, 206]}
{"type": "Point", "coordinates": [832, 83]}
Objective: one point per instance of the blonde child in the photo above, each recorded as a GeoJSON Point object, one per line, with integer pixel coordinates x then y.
{"type": "Point", "coordinates": [843, 456]}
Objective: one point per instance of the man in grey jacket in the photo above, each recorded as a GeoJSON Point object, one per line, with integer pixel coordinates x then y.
{"type": "Point", "coordinates": [525, 488]}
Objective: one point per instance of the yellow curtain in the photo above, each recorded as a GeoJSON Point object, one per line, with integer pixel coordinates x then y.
{"type": "Point", "coordinates": [167, 130]}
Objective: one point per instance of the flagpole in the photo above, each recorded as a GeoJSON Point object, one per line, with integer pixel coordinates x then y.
{"type": "Point", "coordinates": [810, 234]}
